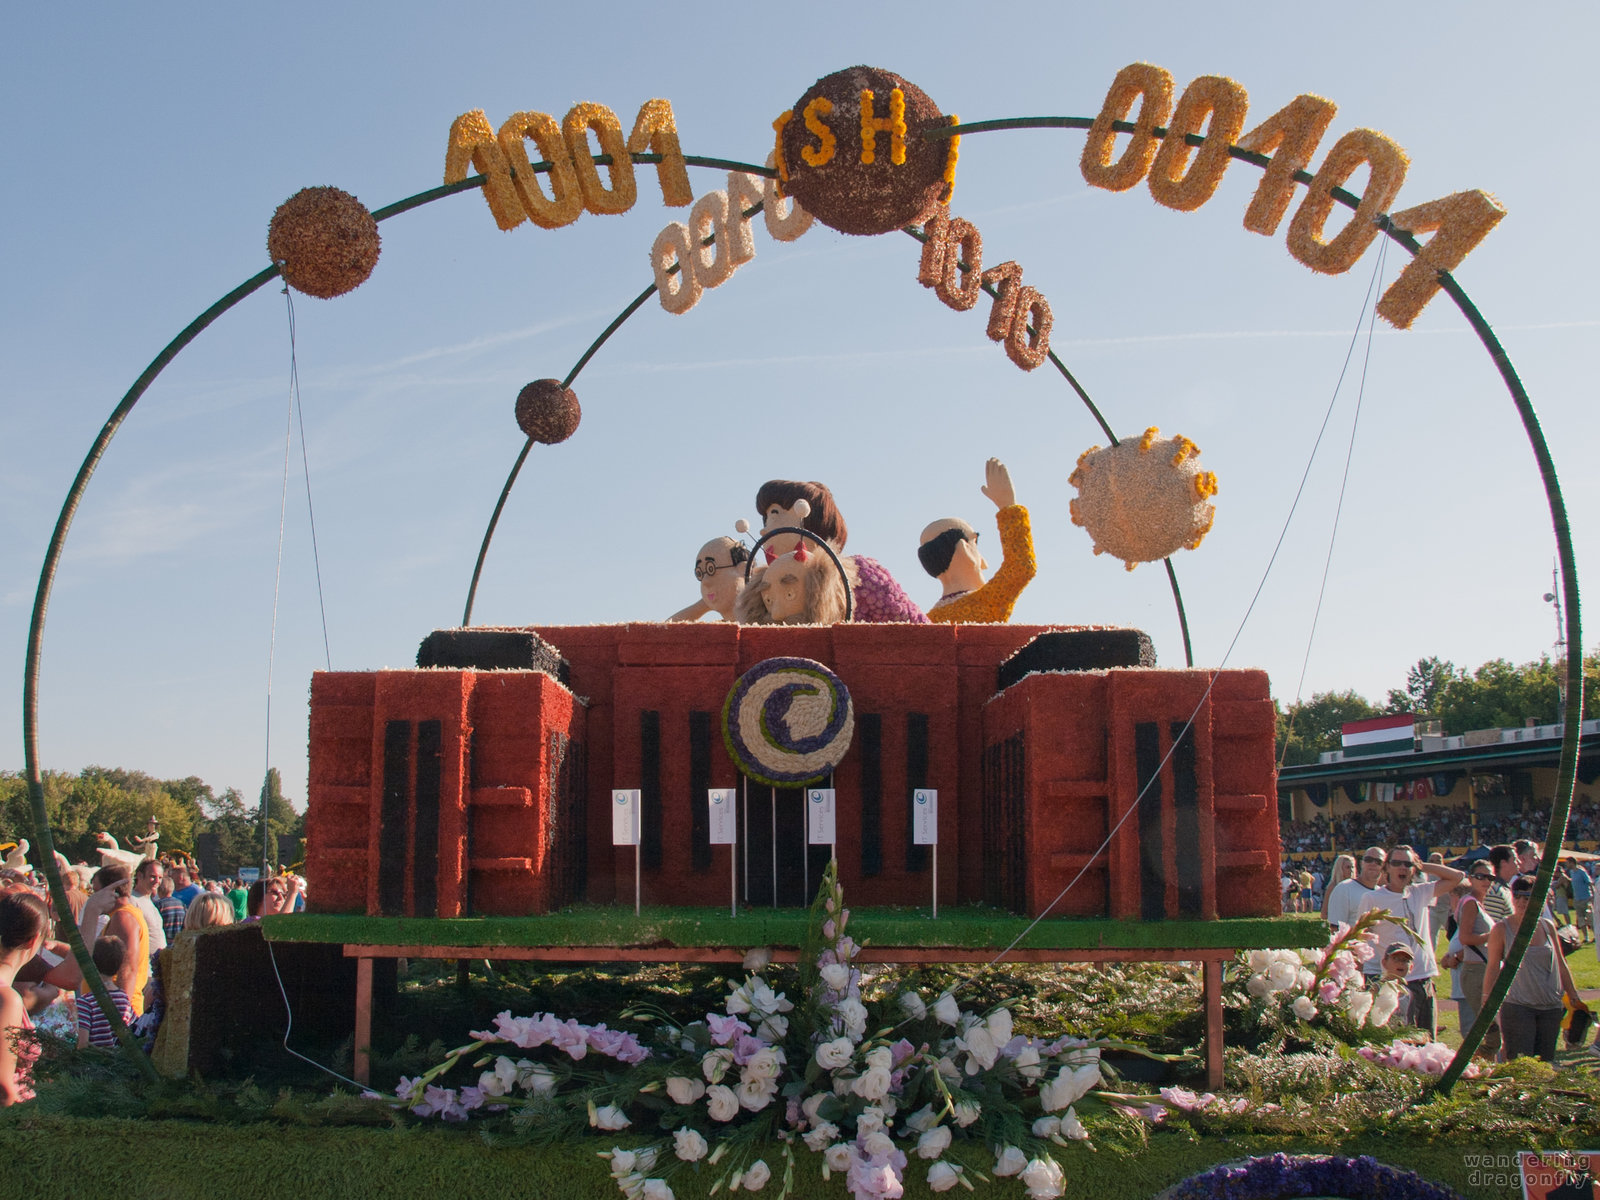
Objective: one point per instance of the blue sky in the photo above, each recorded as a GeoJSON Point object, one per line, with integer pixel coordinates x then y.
{"type": "Point", "coordinates": [151, 148]}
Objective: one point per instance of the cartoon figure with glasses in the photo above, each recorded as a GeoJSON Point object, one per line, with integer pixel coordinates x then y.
{"type": "Point", "coordinates": [719, 570]}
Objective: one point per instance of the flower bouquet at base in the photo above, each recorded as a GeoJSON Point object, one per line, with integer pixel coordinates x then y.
{"type": "Point", "coordinates": [857, 1078]}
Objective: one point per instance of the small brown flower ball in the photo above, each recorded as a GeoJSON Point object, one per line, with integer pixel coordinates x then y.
{"type": "Point", "coordinates": [326, 241]}
{"type": "Point", "coordinates": [845, 193]}
{"type": "Point", "coordinates": [548, 412]}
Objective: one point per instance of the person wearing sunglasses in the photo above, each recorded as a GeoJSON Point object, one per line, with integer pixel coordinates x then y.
{"type": "Point", "coordinates": [1530, 1018]}
{"type": "Point", "coordinates": [1473, 924]}
{"type": "Point", "coordinates": [949, 552]}
{"type": "Point", "coordinates": [1346, 899]}
{"type": "Point", "coordinates": [719, 570]}
{"type": "Point", "coordinates": [1409, 899]}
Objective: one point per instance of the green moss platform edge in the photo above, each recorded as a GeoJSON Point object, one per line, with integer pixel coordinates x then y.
{"type": "Point", "coordinates": [667, 927]}
{"type": "Point", "coordinates": [165, 1159]}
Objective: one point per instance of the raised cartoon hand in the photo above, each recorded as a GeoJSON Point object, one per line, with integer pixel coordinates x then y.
{"type": "Point", "coordinates": [999, 489]}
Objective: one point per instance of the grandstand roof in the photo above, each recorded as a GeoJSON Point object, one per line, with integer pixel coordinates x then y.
{"type": "Point", "coordinates": [1514, 749]}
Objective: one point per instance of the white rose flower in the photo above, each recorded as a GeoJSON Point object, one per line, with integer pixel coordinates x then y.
{"type": "Point", "coordinates": [880, 1056]}
{"type": "Point", "coordinates": [1258, 986]}
{"type": "Point", "coordinates": [946, 1010]}
{"type": "Point", "coordinates": [999, 1025]}
{"type": "Point", "coordinates": [622, 1161]}
{"type": "Point", "coordinates": [854, 1015]}
{"type": "Point", "coordinates": [715, 1064]}
{"type": "Point", "coordinates": [811, 1105]}
{"type": "Point", "coordinates": [980, 1048]}
{"type": "Point", "coordinates": [738, 1001]}
{"type": "Point", "coordinates": [872, 1084]}
{"type": "Point", "coordinates": [922, 1120]}
{"type": "Point", "coordinates": [1260, 960]}
{"type": "Point", "coordinates": [756, 1094]}
{"type": "Point", "coordinates": [870, 1120]}
{"type": "Point", "coordinates": [836, 976]}
{"type": "Point", "coordinates": [535, 1078]}
{"type": "Point", "coordinates": [934, 1142]}
{"type": "Point", "coordinates": [492, 1084]}
{"type": "Point", "coordinates": [1070, 1085]}
{"type": "Point", "coordinates": [1384, 1003]}
{"type": "Point", "coordinates": [689, 1144]}
{"type": "Point", "coordinates": [1009, 1161]}
{"type": "Point", "coordinates": [835, 1054]}
{"type": "Point", "coordinates": [820, 1138]}
{"type": "Point", "coordinates": [1310, 957]}
{"type": "Point", "coordinates": [966, 1113]}
{"type": "Point", "coordinates": [1281, 975]}
{"type": "Point", "coordinates": [655, 1189]}
{"type": "Point", "coordinates": [913, 1005]}
{"type": "Point", "coordinates": [1304, 1008]}
{"type": "Point", "coordinates": [1072, 1127]}
{"type": "Point", "coordinates": [684, 1091]}
{"type": "Point", "coordinates": [763, 1064]}
{"type": "Point", "coordinates": [837, 1156]}
{"type": "Point", "coordinates": [1046, 1127]}
{"type": "Point", "coordinates": [1358, 1004]}
{"type": "Point", "coordinates": [722, 1102]}
{"type": "Point", "coordinates": [609, 1118]}
{"type": "Point", "coordinates": [876, 1145]}
{"type": "Point", "coordinates": [1027, 1061]}
{"type": "Point", "coordinates": [773, 1029]}
{"type": "Point", "coordinates": [1303, 978]}
{"type": "Point", "coordinates": [942, 1177]}
{"type": "Point", "coordinates": [756, 1176]}
{"type": "Point", "coordinates": [1043, 1179]}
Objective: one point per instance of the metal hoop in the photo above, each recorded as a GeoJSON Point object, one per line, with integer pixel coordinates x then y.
{"type": "Point", "coordinates": [849, 595]}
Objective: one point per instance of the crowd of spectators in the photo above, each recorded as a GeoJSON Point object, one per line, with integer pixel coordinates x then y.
{"type": "Point", "coordinates": [1438, 826]}
{"type": "Point", "coordinates": [129, 914]}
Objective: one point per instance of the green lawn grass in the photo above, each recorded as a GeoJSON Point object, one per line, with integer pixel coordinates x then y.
{"type": "Point", "coordinates": [162, 1160]}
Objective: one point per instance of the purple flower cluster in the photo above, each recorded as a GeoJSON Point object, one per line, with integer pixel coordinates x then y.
{"type": "Point", "coordinates": [575, 1039]}
{"type": "Point", "coordinates": [1277, 1176]}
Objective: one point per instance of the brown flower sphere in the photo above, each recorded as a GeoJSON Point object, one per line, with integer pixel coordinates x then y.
{"type": "Point", "coordinates": [847, 194]}
{"type": "Point", "coordinates": [548, 412]}
{"type": "Point", "coordinates": [326, 241]}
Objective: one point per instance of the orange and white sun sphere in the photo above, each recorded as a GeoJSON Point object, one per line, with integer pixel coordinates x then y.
{"type": "Point", "coordinates": [1143, 500]}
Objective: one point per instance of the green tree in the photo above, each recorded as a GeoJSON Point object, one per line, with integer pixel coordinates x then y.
{"type": "Point", "coordinates": [280, 815]}
{"type": "Point", "coordinates": [1306, 729]}
{"type": "Point", "coordinates": [1425, 685]}
{"type": "Point", "coordinates": [238, 840]}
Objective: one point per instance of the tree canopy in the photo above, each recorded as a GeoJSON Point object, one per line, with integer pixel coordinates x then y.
{"type": "Point", "coordinates": [1495, 696]}
{"type": "Point", "coordinates": [121, 802]}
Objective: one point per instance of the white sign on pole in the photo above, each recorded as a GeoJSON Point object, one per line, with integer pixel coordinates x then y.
{"type": "Point", "coordinates": [819, 816]}
{"type": "Point", "coordinates": [724, 816]}
{"type": "Point", "coordinates": [625, 817]}
{"type": "Point", "coordinates": [925, 817]}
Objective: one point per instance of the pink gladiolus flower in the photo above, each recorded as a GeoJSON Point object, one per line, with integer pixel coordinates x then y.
{"type": "Point", "coordinates": [573, 1038]}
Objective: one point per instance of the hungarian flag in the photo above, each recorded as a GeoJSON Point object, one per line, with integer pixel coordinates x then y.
{"type": "Point", "coordinates": [1379, 735]}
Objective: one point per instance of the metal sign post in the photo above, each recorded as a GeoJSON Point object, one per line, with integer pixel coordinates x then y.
{"type": "Point", "coordinates": [625, 830]}
{"type": "Point", "coordinates": [724, 827]}
{"type": "Point", "coordinates": [925, 831]}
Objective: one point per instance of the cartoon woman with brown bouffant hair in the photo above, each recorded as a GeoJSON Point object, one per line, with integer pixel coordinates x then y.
{"type": "Point", "coordinates": [775, 505]}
